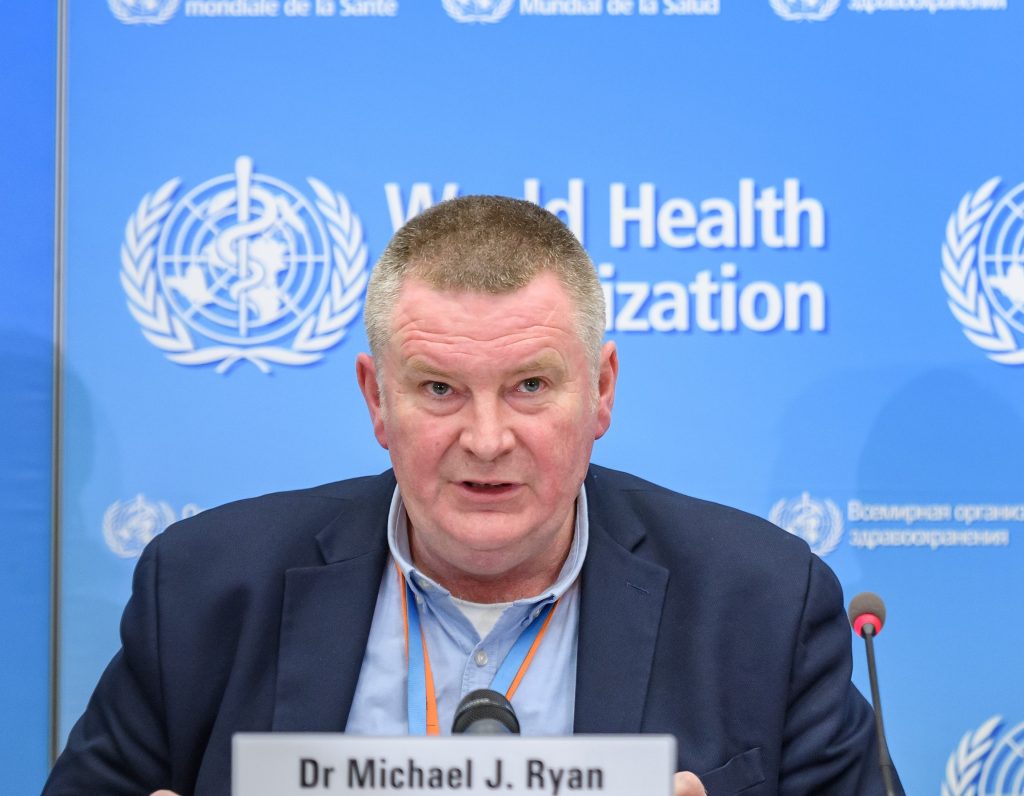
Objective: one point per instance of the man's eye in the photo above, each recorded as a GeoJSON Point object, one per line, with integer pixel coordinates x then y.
{"type": "Point", "coordinates": [439, 388]}
{"type": "Point", "coordinates": [530, 385]}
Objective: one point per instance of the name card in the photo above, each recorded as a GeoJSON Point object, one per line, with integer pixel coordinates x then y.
{"type": "Point", "coordinates": [305, 764]}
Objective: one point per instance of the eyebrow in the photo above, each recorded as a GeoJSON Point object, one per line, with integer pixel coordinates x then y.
{"type": "Point", "coordinates": [421, 368]}
{"type": "Point", "coordinates": [543, 362]}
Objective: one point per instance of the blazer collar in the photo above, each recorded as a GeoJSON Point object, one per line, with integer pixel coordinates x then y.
{"type": "Point", "coordinates": [327, 612]}
{"type": "Point", "coordinates": [361, 526]}
{"type": "Point", "coordinates": [622, 597]}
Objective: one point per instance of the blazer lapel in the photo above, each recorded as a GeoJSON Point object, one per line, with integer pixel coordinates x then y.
{"type": "Point", "coordinates": [622, 596]}
{"type": "Point", "coordinates": [328, 611]}
{"type": "Point", "coordinates": [326, 617]}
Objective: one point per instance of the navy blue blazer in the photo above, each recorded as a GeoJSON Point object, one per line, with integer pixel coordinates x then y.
{"type": "Point", "coordinates": [695, 620]}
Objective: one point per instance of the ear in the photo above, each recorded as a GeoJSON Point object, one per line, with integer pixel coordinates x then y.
{"type": "Point", "coordinates": [608, 372]}
{"type": "Point", "coordinates": [366, 375]}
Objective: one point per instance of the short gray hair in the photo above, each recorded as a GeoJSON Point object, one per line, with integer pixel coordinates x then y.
{"type": "Point", "coordinates": [484, 244]}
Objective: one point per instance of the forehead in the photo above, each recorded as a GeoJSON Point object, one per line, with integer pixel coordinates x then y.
{"type": "Point", "coordinates": [428, 322]}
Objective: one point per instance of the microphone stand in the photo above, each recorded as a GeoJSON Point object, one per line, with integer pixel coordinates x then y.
{"type": "Point", "coordinates": [884, 761]}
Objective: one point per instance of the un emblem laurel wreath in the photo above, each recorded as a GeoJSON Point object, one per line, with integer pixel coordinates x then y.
{"type": "Point", "coordinates": [161, 11]}
{"type": "Point", "coordinates": [322, 330]}
{"type": "Point", "coordinates": [457, 10]}
{"type": "Point", "coordinates": [784, 9]}
{"type": "Point", "coordinates": [964, 766]}
{"type": "Point", "coordinates": [822, 547]}
{"type": "Point", "coordinates": [961, 280]}
{"type": "Point", "coordinates": [835, 530]}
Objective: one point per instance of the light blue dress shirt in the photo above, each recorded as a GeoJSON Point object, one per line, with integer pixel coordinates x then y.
{"type": "Point", "coordinates": [461, 661]}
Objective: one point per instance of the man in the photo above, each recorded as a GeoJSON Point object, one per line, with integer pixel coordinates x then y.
{"type": "Point", "coordinates": [649, 611]}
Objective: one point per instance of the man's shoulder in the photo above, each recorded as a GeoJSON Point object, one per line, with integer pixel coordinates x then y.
{"type": "Point", "coordinates": [283, 522]}
{"type": "Point", "coordinates": [678, 521]}
{"type": "Point", "coordinates": [720, 560]}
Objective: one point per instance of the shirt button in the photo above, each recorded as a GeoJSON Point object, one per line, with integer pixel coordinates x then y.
{"type": "Point", "coordinates": [536, 613]}
{"type": "Point", "coordinates": [480, 657]}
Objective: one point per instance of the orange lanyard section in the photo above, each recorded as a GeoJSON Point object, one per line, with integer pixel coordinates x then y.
{"type": "Point", "coordinates": [422, 706]}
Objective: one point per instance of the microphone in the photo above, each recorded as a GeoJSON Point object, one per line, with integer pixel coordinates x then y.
{"type": "Point", "coordinates": [867, 615]}
{"type": "Point", "coordinates": [867, 608]}
{"type": "Point", "coordinates": [485, 712]}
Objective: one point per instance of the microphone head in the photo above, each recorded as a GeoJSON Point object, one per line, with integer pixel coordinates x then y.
{"type": "Point", "coordinates": [867, 608]}
{"type": "Point", "coordinates": [485, 712]}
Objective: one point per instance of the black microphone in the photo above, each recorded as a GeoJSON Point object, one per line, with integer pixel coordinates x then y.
{"type": "Point", "coordinates": [867, 615]}
{"type": "Point", "coordinates": [485, 712]}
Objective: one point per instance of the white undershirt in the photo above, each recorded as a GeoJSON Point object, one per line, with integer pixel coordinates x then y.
{"type": "Point", "coordinates": [482, 616]}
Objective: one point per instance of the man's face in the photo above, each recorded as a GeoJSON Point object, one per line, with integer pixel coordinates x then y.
{"type": "Point", "coordinates": [488, 407]}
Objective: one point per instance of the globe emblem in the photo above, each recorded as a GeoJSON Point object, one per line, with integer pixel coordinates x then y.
{"type": "Point", "coordinates": [1001, 257]}
{"type": "Point", "coordinates": [477, 10]}
{"type": "Point", "coordinates": [128, 526]}
{"type": "Point", "coordinates": [984, 764]}
{"type": "Point", "coordinates": [150, 12]}
{"type": "Point", "coordinates": [242, 258]}
{"type": "Point", "coordinates": [817, 522]}
{"type": "Point", "coordinates": [804, 10]}
{"type": "Point", "coordinates": [242, 261]}
{"type": "Point", "coordinates": [1003, 772]}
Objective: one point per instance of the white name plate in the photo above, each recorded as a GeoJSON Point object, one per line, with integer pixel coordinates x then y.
{"type": "Point", "coordinates": [304, 764]}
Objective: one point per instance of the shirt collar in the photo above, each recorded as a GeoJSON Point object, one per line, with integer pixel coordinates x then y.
{"type": "Point", "coordinates": [398, 542]}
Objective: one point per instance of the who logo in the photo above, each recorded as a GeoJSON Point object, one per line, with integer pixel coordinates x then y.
{"type": "Point", "coordinates": [143, 12]}
{"type": "Point", "coordinates": [817, 522]}
{"type": "Point", "coordinates": [987, 763]}
{"type": "Point", "coordinates": [983, 270]}
{"type": "Point", "coordinates": [477, 10]}
{"type": "Point", "coordinates": [244, 268]}
{"type": "Point", "coordinates": [804, 10]}
{"type": "Point", "coordinates": [129, 525]}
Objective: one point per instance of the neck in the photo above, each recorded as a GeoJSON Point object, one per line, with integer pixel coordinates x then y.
{"type": "Point", "coordinates": [481, 585]}
{"type": "Point", "coordinates": [497, 590]}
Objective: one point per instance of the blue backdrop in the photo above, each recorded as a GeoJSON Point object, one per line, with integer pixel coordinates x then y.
{"type": "Point", "coordinates": [815, 281]}
{"type": "Point", "coordinates": [27, 78]}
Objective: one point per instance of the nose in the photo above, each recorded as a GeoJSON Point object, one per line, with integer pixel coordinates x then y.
{"type": "Point", "coordinates": [487, 433]}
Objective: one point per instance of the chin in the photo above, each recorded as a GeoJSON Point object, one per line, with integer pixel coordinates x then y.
{"type": "Point", "coordinates": [487, 543]}
{"type": "Point", "coordinates": [485, 540]}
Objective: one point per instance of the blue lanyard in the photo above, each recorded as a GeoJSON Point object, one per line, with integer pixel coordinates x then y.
{"type": "Point", "coordinates": [422, 701]}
